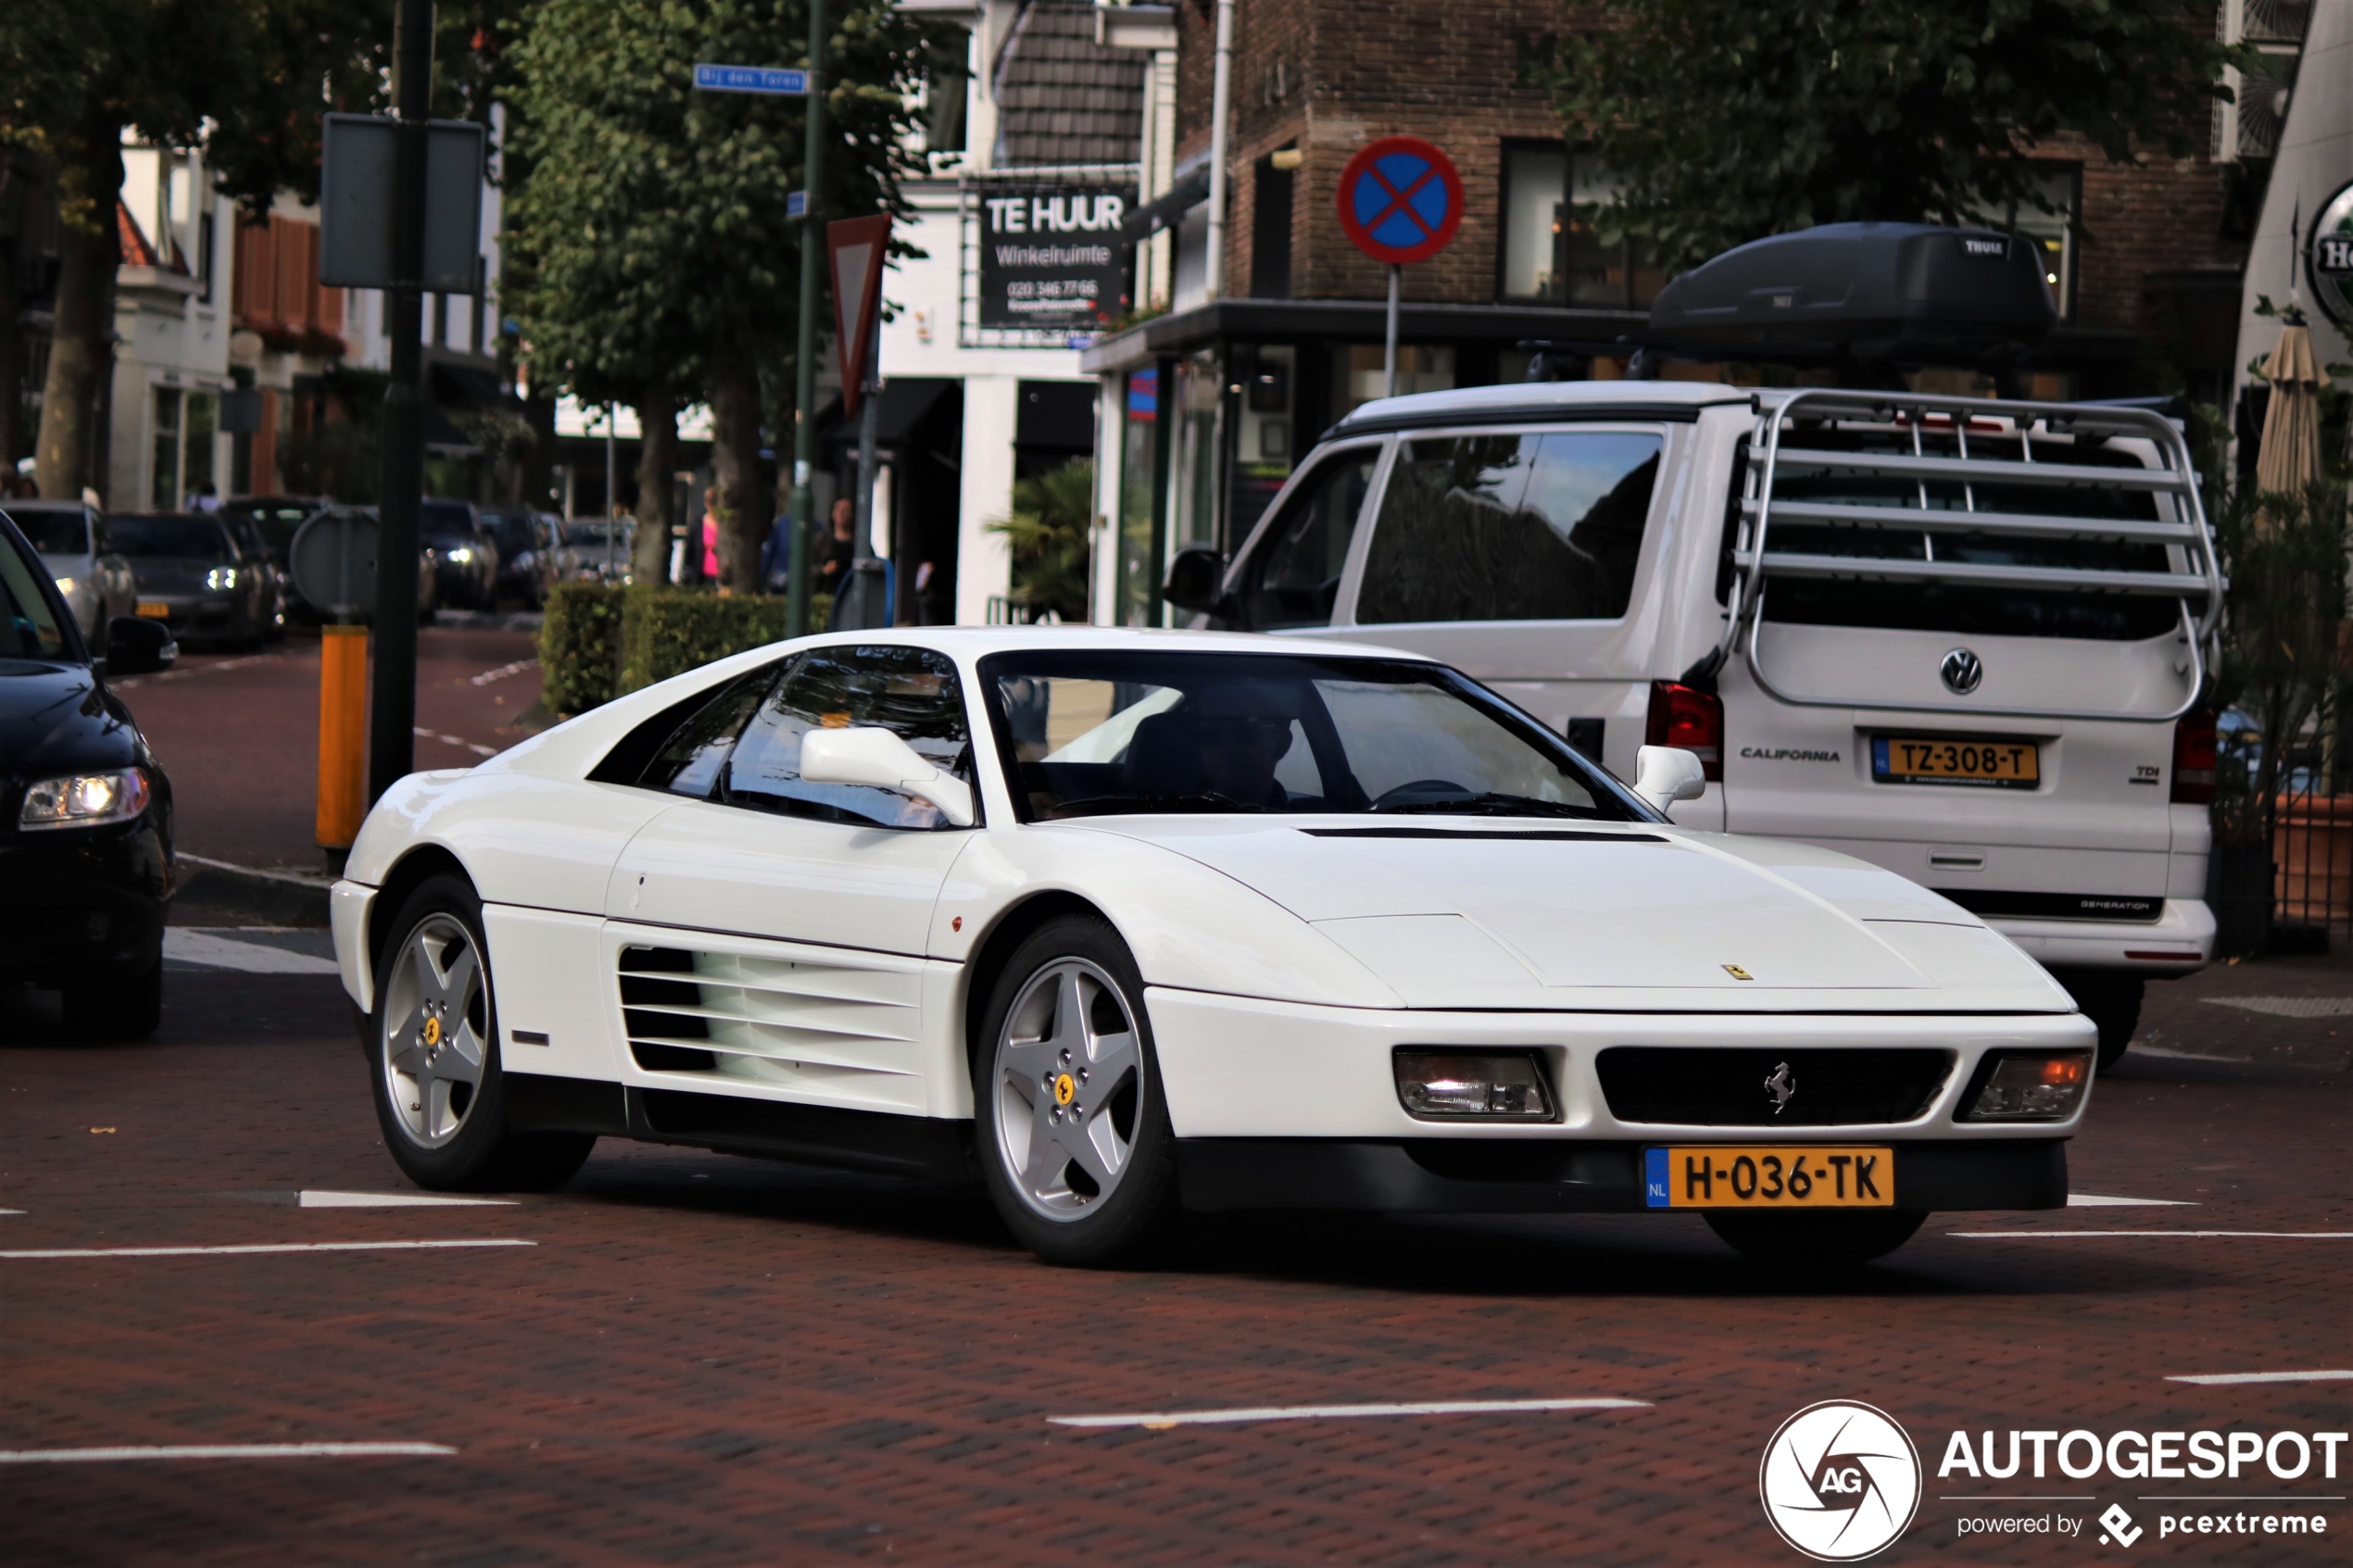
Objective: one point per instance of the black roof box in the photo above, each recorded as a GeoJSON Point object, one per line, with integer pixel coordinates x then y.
{"type": "Point", "coordinates": [1870, 291]}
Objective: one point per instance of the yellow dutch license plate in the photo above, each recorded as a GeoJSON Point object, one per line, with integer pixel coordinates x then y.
{"type": "Point", "coordinates": [158, 612]}
{"type": "Point", "coordinates": [1953, 760]}
{"type": "Point", "coordinates": [1767, 1177]}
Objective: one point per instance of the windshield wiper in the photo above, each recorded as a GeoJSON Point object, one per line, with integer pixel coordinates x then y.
{"type": "Point", "coordinates": [1107, 804]}
{"type": "Point", "coordinates": [1490, 804]}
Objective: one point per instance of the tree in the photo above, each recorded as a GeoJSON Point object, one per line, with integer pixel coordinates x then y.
{"type": "Point", "coordinates": [1726, 120]}
{"type": "Point", "coordinates": [1046, 533]}
{"type": "Point", "coordinates": [653, 233]}
{"type": "Point", "coordinates": [245, 79]}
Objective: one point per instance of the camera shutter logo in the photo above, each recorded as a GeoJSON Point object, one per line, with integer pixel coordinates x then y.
{"type": "Point", "coordinates": [1840, 1481]}
{"type": "Point", "coordinates": [1962, 671]}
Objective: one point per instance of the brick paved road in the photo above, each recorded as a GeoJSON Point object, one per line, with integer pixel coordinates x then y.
{"type": "Point", "coordinates": [709, 1360]}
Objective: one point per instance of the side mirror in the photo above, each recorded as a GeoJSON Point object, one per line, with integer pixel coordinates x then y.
{"type": "Point", "coordinates": [1194, 578]}
{"type": "Point", "coordinates": [1664, 774]}
{"type": "Point", "coordinates": [880, 759]}
{"type": "Point", "coordinates": [137, 646]}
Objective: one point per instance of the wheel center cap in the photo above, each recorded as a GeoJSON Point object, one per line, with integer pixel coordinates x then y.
{"type": "Point", "coordinates": [1066, 1089]}
{"type": "Point", "coordinates": [433, 1032]}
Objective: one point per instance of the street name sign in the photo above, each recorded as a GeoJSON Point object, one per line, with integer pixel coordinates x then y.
{"type": "Point", "coordinates": [751, 78]}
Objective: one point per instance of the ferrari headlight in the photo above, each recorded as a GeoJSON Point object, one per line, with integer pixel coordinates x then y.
{"type": "Point", "coordinates": [1436, 1085]}
{"type": "Point", "coordinates": [220, 578]}
{"type": "Point", "coordinates": [2036, 1087]}
{"type": "Point", "coordinates": [85, 800]}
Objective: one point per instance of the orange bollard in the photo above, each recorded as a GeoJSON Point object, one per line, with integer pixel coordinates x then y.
{"type": "Point", "coordinates": [343, 734]}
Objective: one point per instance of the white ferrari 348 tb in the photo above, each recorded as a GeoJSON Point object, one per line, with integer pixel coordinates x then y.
{"type": "Point", "coordinates": [1117, 922]}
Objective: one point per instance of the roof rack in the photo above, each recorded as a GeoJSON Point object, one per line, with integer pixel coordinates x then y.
{"type": "Point", "coordinates": [2192, 574]}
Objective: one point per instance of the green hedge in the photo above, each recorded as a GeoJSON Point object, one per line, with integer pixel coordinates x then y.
{"type": "Point", "coordinates": [667, 631]}
{"type": "Point", "coordinates": [580, 646]}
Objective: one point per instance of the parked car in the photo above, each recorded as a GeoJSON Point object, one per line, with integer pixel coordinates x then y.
{"type": "Point", "coordinates": [465, 554]}
{"type": "Point", "coordinates": [595, 549]}
{"type": "Point", "coordinates": [527, 554]}
{"type": "Point", "coordinates": [97, 583]}
{"type": "Point", "coordinates": [1963, 639]}
{"type": "Point", "coordinates": [86, 808]}
{"type": "Point", "coordinates": [193, 576]}
{"type": "Point", "coordinates": [1129, 922]}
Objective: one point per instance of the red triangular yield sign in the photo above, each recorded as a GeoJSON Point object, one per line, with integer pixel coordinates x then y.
{"type": "Point", "coordinates": [856, 246]}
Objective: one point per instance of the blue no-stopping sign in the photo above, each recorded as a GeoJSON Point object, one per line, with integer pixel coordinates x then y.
{"type": "Point", "coordinates": [1400, 200]}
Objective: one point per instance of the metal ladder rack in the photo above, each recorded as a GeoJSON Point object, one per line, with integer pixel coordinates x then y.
{"type": "Point", "coordinates": [2192, 575]}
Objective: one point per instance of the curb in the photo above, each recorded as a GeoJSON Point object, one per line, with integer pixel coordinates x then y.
{"type": "Point", "coordinates": [275, 897]}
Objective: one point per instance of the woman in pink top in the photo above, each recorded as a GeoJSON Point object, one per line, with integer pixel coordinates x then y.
{"type": "Point", "coordinates": [710, 535]}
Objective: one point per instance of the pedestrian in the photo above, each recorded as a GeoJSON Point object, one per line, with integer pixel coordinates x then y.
{"type": "Point", "coordinates": [841, 550]}
{"type": "Point", "coordinates": [206, 499]}
{"type": "Point", "coordinates": [710, 535]}
{"type": "Point", "coordinates": [775, 556]}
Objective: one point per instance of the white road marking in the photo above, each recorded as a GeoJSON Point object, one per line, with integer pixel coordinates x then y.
{"type": "Point", "coordinates": [2093, 1200]}
{"type": "Point", "coordinates": [11, 1211]}
{"type": "Point", "coordinates": [2291, 1236]}
{"type": "Point", "coordinates": [517, 667]}
{"type": "Point", "coordinates": [1159, 1420]}
{"type": "Point", "coordinates": [2287, 1007]}
{"type": "Point", "coordinates": [265, 1247]}
{"type": "Point", "coordinates": [460, 741]}
{"type": "Point", "coordinates": [2216, 1379]}
{"type": "Point", "coordinates": [183, 672]}
{"type": "Point", "coordinates": [313, 1199]}
{"type": "Point", "coordinates": [186, 945]}
{"type": "Point", "coordinates": [227, 1450]}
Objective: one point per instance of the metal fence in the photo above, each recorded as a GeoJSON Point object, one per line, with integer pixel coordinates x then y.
{"type": "Point", "coordinates": [2311, 865]}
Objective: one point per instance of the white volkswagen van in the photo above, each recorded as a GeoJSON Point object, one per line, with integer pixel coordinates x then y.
{"type": "Point", "coordinates": [1965, 639]}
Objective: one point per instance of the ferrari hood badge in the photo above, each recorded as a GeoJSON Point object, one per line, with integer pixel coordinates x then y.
{"type": "Point", "coordinates": [1737, 972]}
{"type": "Point", "coordinates": [1782, 1088]}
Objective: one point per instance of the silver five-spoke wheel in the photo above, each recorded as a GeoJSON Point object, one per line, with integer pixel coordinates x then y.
{"type": "Point", "coordinates": [435, 1021]}
{"type": "Point", "coordinates": [1070, 1085]}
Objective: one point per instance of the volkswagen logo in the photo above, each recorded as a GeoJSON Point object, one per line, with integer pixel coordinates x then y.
{"type": "Point", "coordinates": [1962, 671]}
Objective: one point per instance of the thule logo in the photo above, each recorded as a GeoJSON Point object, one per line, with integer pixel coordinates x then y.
{"type": "Point", "coordinates": [1983, 247]}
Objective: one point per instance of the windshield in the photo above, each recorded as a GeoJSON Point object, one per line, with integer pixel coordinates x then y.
{"type": "Point", "coordinates": [277, 521]}
{"type": "Point", "coordinates": [598, 532]}
{"type": "Point", "coordinates": [1098, 732]}
{"type": "Point", "coordinates": [53, 532]}
{"type": "Point", "coordinates": [444, 520]}
{"type": "Point", "coordinates": [29, 627]}
{"type": "Point", "coordinates": [512, 530]}
{"type": "Point", "coordinates": [165, 533]}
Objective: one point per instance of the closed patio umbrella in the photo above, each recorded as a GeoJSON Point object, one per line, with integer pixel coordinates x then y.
{"type": "Point", "coordinates": [2290, 456]}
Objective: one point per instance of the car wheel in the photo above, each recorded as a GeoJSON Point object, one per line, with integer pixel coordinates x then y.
{"type": "Point", "coordinates": [1074, 1132]}
{"type": "Point", "coordinates": [125, 1005]}
{"type": "Point", "coordinates": [439, 1088]}
{"type": "Point", "coordinates": [1816, 1239]}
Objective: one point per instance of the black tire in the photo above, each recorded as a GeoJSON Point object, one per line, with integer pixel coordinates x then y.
{"type": "Point", "coordinates": [480, 1153]}
{"type": "Point", "coordinates": [1104, 1227]}
{"type": "Point", "coordinates": [2112, 1001]}
{"type": "Point", "coordinates": [1815, 1238]}
{"type": "Point", "coordinates": [126, 1005]}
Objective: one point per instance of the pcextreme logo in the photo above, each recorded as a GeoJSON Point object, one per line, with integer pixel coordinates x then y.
{"type": "Point", "coordinates": [1840, 1481]}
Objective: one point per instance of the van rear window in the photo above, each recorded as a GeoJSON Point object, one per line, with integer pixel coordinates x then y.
{"type": "Point", "coordinates": [1528, 527]}
{"type": "Point", "coordinates": [1974, 611]}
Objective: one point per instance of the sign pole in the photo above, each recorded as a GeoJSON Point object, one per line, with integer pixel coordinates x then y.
{"type": "Point", "coordinates": [866, 571]}
{"type": "Point", "coordinates": [1389, 358]}
{"type": "Point", "coordinates": [812, 258]}
{"type": "Point", "coordinates": [392, 722]}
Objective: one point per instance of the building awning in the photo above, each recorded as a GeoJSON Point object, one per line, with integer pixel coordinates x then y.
{"type": "Point", "coordinates": [904, 402]}
{"type": "Point", "coordinates": [1166, 209]}
{"type": "Point", "coordinates": [1276, 321]}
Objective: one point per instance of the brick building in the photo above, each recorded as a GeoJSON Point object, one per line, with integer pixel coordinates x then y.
{"type": "Point", "coordinates": [1206, 407]}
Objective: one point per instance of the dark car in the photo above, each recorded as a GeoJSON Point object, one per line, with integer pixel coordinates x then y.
{"type": "Point", "coordinates": [86, 810]}
{"type": "Point", "coordinates": [194, 577]}
{"type": "Point", "coordinates": [465, 553]}
{"type": "Point", "coordinates": [253, 550]}
{"type": "Point", "coordinates": [527, 554]}
{"type": "Point", "coordinates": [280, 517]}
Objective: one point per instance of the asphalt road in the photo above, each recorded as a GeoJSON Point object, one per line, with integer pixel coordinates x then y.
{"type": "Point", "coordinates": [689, 1358]}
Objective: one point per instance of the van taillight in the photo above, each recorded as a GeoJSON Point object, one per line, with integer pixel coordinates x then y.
{"type": "Point", "coordinates": [2192, 758]}
{"type": "Point", "coordinates": [1687, 717]}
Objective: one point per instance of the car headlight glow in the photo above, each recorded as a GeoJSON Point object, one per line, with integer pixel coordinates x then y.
{"type": "Point", "coordinates": [84, 800]}
{"type": "Point", "coordinates": [220, 578]}
{"type": "Point", "coordinates": [66, 586]}
{"type": "Point", "coordinates": [461, 554]}
{"type": "Point", "coordinates": [1441, 1086]}
{"type": "Point", "coordinates": [2028, 1086]}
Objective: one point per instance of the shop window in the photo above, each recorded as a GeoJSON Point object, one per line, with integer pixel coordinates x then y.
{"type": "Point", "coordinates": [1510, 528]}
{"type": "Point", "coordinates": [1551, 253]}
{"type": "Point", "coordinates": [1421, 367]}
{"type": "Point", "coordinates": [2049, 228]}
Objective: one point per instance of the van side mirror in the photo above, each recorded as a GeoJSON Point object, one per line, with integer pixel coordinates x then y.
{"type": "Point", "coordinates": [1664, 774]}
{"type": "Point", "coordinates": [1195, 575]}
{"type": "Point", "coordinates": [883, 760]}
{"type": "Point", "coordinates": [137, 646]}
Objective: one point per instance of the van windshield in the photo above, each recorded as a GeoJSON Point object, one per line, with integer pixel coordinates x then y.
{"type": "Point", "coordinates": [1087, 733]}
{"type": "Point", "coordinates": [1973, 610]}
